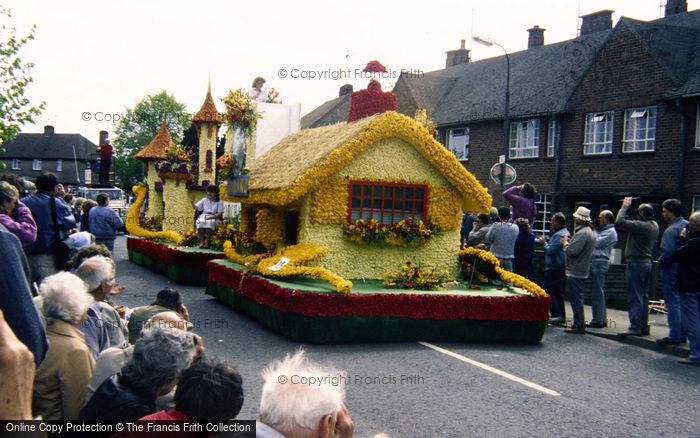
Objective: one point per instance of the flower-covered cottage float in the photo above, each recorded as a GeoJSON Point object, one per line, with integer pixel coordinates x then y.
{"type": "Point", "coordinates": [351, 232]}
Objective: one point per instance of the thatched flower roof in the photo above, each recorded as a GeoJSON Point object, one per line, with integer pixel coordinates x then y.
{"type": "Point", "coordinates": [302, 160]}
{"type": "Point", "coordinates": [156, 148]}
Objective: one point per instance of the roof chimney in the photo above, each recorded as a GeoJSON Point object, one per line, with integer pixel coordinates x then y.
{"type": "Point", "coordinates": [596, 22]}
{"type": "Point", "coordinates": [459, 56]}
{"type": "Point", "coordinates": [345, 89]}
{"type": "Point", "coordinates": [676, 7]}
{"type": "Point", "coordinates": [536, 38]}
{"type": "Point", "coordinates": [48, 130]}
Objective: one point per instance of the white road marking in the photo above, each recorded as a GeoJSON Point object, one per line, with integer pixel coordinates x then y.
{"type": "Point", "coordinates": [491, 369]}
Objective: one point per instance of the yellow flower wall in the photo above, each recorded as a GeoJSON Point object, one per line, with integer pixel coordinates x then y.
{"type": "Point", "coordinates": [390, 159]}
{"type": "Point", "coordinates": [179, 214]}
{"type": "Point", "coordinates": [155, 199]}
{"type": "Point", "coordinates": [270, 227]}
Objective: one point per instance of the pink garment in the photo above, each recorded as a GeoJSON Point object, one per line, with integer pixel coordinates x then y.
{"type": "Point", "coordinates": [22, 226]}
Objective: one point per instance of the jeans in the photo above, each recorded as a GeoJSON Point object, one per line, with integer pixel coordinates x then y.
{"type": "Point", "coordinates": [690, 311]}
{"type": "Point", "coordinates": [638, 278]}
{"type": "Point", "coordinates": [506, 264]}
{"type": "Point", "coordinates": [554, 285]}
{"type": "Point", "coordinates": [574, 291]}
{"type": "Point", "coordinates": [673, 305]}
{"type": "Point", "coordinates": [599, 270]}
{"type": "Point", "coordinates": [109, 243]}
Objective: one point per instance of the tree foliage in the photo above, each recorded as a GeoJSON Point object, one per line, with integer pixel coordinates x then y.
{"type": "Point", "coordinates": [136, 130]}
{"type": "Point", "coordinates": [15, 108]}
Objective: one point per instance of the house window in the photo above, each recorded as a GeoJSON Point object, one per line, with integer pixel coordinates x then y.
{"type": "Point", "coordinates": [16, 164]}
{"type": "Point", "coordinates": [387, 203]}
{"type": "Point", "coordinates": [59, 165]}
{"type": "Point", "coordinates": [458, 143]}
{"type": "Point", "coordinates": [640, 130]}
{"type": "Point", "coordinates": [695, 204]}
{"type": "Point", "coordinates": [552, 136]}
{"type": "Point", "coordinates": [36, 164]}
{"type": "Point", "coordinates": [543, 201]}
{"type": "Point", "coordinates": [598, 134]}
{"type": "Point", "coordinates": [524, 139]}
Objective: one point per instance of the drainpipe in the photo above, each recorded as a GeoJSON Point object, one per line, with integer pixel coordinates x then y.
{"type": "Point", "coordinates": [681, 153]}
{"type": "Point", "coordinates": [557, 166]}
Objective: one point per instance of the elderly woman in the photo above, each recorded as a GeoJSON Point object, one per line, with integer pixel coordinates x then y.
{"type": "Point", "coordinates": [15, 216]}
{"type": "Point", "coordinates": [61, 380]}
{"type": "Point", "coordinates": [160, 356]}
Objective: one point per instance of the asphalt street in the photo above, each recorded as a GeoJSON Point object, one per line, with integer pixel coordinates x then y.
{"type": "Point", "coordinates": [567, 385]}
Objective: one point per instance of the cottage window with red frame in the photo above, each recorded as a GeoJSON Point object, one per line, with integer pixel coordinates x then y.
{"type": "Point", "coordinates": [387, 203]}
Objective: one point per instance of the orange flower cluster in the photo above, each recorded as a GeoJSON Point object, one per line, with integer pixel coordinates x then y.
{"type": "Point", "coordinates": [226, 165]}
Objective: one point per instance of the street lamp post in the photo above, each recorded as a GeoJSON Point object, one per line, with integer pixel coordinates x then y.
{"type": "Point", "coordinates": [506, 113]}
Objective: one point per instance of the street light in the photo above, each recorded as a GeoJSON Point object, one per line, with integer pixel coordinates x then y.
{"type": "Point", "coordinates": [506, 114]}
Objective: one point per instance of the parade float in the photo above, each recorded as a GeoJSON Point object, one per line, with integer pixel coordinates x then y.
{"type": "Point", "coordinates": [348, 232]}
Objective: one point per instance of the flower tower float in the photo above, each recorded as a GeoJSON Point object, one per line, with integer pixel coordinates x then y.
{"type": "Point", "coordinates": [153, 153]}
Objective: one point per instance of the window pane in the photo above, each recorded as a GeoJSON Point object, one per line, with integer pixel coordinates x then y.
{"type": "Point", "coordinates": [377, 204]}
{"type": "Point", "coordinates": [388, 192]}
{"type": "Point", "coordinates": [409, 193]}
{"type": "Point", "coordinates": [367, 203]}
{"type": "Point", "coordinates": [420, 193]}
{"type": "Point", "coordinates": [409, 205]}
{"type": "Point", "coordinates": [355, 202]}
{"type": "Point", "coordinates": [356, 190]}
{"type": "Point", "coordinates": [355, 215]}
{"type": "Point", "coordinates": [367, 190]}
{"type": "Point", "coordinates": [377, 191]}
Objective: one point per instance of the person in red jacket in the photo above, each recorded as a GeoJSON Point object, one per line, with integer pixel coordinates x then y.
{"type": "Point", "coordinates": [106, 151]}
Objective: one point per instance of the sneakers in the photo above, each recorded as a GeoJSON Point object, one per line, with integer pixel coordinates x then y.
{"type": "Point", "coordinates": [575, 330]}
{"type": "Point", "coordinates": [596, 324]}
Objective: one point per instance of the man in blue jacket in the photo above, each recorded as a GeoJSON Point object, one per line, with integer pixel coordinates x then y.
{"type": "Point", "coordinates": [671, 212]}
{"type": "Point", "coordinates": [688, 285]}
{"type": "Point", "coordinates": [104, 222]}
{"type": "Point", "coordinates": [554, 264]}
{"type": "Point", "coordinates": [44, 208]}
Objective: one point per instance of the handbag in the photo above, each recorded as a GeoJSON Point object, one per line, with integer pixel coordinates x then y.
{"type": "Point", "coordinates": [62, 248]}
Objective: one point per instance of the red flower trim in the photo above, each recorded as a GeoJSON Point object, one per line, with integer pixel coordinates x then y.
{"type": "Point", "coordinates": [171, 256]}
{"type": "Point", "coordinates": [365, 103]}
{"type": "Point", "coordinates": [406, 305]}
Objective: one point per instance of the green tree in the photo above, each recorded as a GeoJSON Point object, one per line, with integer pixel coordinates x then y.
{"type": "Point", "coordinates": [15, 109]}
{"type": "Point", "coordinates": [136, 130]}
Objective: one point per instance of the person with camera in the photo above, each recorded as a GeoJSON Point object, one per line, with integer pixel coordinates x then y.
{"type": "Point", "coordinates": [642, 235]}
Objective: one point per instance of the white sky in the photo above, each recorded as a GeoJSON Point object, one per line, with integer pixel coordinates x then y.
{"type": "Point", "coordinates": [103, 56]}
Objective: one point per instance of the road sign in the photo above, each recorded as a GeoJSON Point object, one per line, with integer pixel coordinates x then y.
{"type": "Point", "coordinates": [511, 174]}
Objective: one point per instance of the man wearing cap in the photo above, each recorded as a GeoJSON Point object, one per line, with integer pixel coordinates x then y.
{"type": "Point", "coordinates": [578, 250]}
{"type": "Point", "coordinates": [606, 239]}
{"type": "Point", "coordinates": [640, 244]}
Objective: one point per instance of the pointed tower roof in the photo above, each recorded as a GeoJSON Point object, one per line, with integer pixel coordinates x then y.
{"type": "Point", "coordinates": [208, 112]}
{"type": "Point", "coordinates": [156, 148]}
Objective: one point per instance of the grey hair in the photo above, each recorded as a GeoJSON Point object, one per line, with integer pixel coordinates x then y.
{"type": "Point", "coordinates": [95, 270]}
{"type": "Point", "coordinates": [160, 356]}
{"type": "Point", "coordinates": [65, 298]}
{"type": "Point", "coordinates": [694, 218]}
{"type": "Point", "coordinates": [307, 393]}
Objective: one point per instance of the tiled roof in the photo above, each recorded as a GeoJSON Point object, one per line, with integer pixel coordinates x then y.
{"type": "Point", "coordinates": [208, 112]}
{"type": "Point", "coordinates": [156, 148]}
{"type": "Point", "coordinates": [50, 146]}
{"type": "Point", "coordinates": [329, 113]}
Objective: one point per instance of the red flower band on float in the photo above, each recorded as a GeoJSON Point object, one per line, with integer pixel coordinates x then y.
{"type": "Point", "coordinates": [170, 255]}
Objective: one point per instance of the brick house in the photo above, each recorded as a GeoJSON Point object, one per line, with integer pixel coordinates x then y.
{"type": "Point", "coordinates": [69, 156]}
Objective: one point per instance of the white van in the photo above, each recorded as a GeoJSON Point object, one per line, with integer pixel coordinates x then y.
{"type": "Point", "coordinates": [116, 198]}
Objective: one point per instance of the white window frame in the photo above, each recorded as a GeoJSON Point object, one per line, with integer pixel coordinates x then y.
{"type": "Point", "coordinates": [458, 140]}
{"type": "Point", "coordinates": [543, 201]}
{"type": "Point", "coordinates": [639, 133]}
{"type": "Point", "coordinates": [59, 165]}
{"type": "Point", "coordinates": [36, 164]}
{"type": "Point", "coordinates": [552, 136]}
{"type": "Point", "coordinates": [524, 139]}
{"type": "Point", "coordinates": [598, 125]}
{"type": "Point", "coordinates": [16, 164]}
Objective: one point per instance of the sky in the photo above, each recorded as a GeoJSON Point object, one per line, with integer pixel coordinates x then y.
{"type": "Point", "coordinates": [93, 59]}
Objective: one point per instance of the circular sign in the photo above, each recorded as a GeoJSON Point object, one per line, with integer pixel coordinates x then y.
{"type": "Point", "coordinates": [510, 174]}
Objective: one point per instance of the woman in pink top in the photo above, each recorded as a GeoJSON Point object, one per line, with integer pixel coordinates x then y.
{"type": "Point", "coordinates": [15, 216]}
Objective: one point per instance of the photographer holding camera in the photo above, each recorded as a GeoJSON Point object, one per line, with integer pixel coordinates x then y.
{"type": "Point", "coordinates": [642, 236]}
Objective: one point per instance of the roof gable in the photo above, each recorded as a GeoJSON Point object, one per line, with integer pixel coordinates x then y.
{"type": "Point", "coordinates": [328, 113]}
{"type": "Point", "coordinates": [156, 148]}
{"type": "Point", "coordinates": [307, 158]}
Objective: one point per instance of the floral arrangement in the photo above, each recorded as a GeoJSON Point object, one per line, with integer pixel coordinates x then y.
{"type": "Point", "coordinates": [241, 111]}
{"type": "Point", "coordinates": [371, 101]}
{"type": "Point", "coordinates": [488, 265]}
{"type": "Point", "coordinates": [411, 276]}
{"type": "Point", "coordinates": [388, 124]}
{"type": "Point", "coordinates": [226, 165]}
{"type": "Point", "coordinates": [422, 118]}
{"type": "Point", "coordinates": [272, 96]}
{"type": "Point", "coordinates": [190, 238]}
{"type": "Point", "coordinates": [177, 154]}
{"type": "Point", "coordinates": [405, 232]}
{"type": "Point", "coordinates": [132, 219]}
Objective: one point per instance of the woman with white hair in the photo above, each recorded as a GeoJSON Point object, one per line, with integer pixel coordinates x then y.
{"type": "Point", "coordinates": [61, 380]}
{"type": "Point", "coordinates": [160, 356]}
{"type": "Point", "coordinates": [301, 398]}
